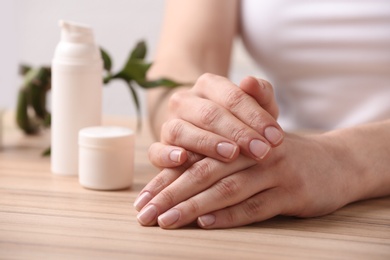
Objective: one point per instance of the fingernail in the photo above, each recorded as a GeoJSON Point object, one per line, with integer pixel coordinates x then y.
{"type": "Point", "coordinates": [142, 199]}
{"type": "Point", "coordinates": [169, 218]}
{"type": "Point", "coordinates": [206, 220]}
{"type": "Point", "coordinates": [261, 83]}
{"type": "Point", "coordinates": [258, 148]}
{"type": "Point", "coordinates": [273, 135]}
{"type": "Point", "coordinates": [175, 155]}
{"type": "Point", "coordinates": [226, 150]}
{"type": "Point", "coordinates": [147, 215]}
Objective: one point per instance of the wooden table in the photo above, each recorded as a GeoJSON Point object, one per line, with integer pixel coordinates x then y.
{"type": "Point", "coordinates": [46, 216]}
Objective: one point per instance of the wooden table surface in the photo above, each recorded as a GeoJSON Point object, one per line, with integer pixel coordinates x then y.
{"type": "Point", "coordinates": [46, 216]}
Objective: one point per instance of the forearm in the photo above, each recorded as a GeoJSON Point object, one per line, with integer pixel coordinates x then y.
{"type": "Point", "coordinates": [196, 37]}
{"type": "Point", "coordinates": [364, 151]}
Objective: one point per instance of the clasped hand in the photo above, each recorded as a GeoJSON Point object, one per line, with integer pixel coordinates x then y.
{"type": "Point", "coordinates": [225, 161]}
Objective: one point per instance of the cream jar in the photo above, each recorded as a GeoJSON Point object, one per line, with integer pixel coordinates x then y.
{"type": "Point", "coordinates": [106, 157]}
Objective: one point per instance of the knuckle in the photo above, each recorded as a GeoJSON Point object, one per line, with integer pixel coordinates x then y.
{"type": "Point", "coordinates": [208, 114]}
{"type": "Point", "coordinates": [200, 173]}
{"type": "Point", "coordinates": [252, 207]}
{"type": "Point", "coordinates": [227, 189]}
{"type": "Point", "coordinates": [238, 134]}
{"type": "Point", "coordinates": [159, 183]}
{"type": "Point", "coordinates": [192, 158]}
{"type": "Point", "coordinates": [167, 197]}
{"type": "Point", "coordinates": [203, 143]}
{"type": "Point", "coordinates": [255, 119]}
{"type": "Point", "coordinates": [204, 79]}
{"type": "Point", "coordinates": [234, 98]}
{"type": "Point", "coordinates": [172, 131]}
{"type": "Point", "coordinates": [193, 206]}
{"type": "Point", "coordinates": [175, 101]}
{"type": "Point", "coordinates": [231, 217]}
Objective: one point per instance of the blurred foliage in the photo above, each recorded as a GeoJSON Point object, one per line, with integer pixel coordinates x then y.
{"type": "Point", "coordinates": [31, 112]}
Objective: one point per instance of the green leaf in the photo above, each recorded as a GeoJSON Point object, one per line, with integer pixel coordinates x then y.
{"type": "Point", "coordinates": [107, 64]}
{"type": "Point", "coordinates": [23, 120]}
{"type": "Point", "coordinates": [162, 82]}
{"type": "Point", "coordinates": [134, 70]}
{"type": "Point", "coordinates": [139, 51]}
{"type": "Point", "coordinates": [37, 91]}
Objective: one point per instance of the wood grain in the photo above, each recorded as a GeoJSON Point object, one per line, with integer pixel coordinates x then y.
{"type": "Point", "coordinates": [46, 216]}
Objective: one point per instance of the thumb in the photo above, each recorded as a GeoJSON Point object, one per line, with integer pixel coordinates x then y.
{"type": "Point", "coordinates": [262, 91]}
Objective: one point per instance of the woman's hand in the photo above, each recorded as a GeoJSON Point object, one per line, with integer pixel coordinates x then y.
{"type": "Point", "coordinates": [219, 120]}
{"type": "Point", "coordinates": [302, 177]}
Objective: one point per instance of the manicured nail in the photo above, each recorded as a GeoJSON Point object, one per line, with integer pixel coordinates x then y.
{"type": "Point", "coordinates": [258, 148]}
{"type": "Point", "coordinates": [273, 135]}
{"type": "Point", "coordinates": [175, 155]}
{"type": "Point", "coordinates": [226, 150]}
{"type": "Point", "coordinates": [261, 83]}
{"type": "Point", "coordinates": [142, 199]}
{"type": "Point", "coordinates": [206, 220]}
{"type": "Point", "coordinates": [169, 218]}
{"type": "Point", "coordinates": [147, 215]}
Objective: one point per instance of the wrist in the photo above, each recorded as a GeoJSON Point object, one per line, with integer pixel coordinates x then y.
{"type": "Point", "coordinates": [356, 154]}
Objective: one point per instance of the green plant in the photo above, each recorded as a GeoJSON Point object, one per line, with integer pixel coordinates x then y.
{"type": "Point", "coordinates": [134, 73]}
{"type": "Point", "coordinates": [32, 114]}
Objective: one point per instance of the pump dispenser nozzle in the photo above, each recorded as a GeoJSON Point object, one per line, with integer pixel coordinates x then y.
{"type": "Point", "coordinates": [75, 32]}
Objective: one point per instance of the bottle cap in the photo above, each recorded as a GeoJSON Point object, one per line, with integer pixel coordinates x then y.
{"type": "Point", "coordinates": [106, 157]}
{"type": "Point", "coordinates": [77, 51]}
{"type": "Point", "coordinates": [75, 32]}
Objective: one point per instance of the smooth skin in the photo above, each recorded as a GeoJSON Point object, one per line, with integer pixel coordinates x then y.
{"type": "Point", "coordinates": [300, 175]}
{"type": "Point", "coordinates": [293, 181]}
{"type": "Point", "coordinates": [192, 50]}
{"type": "Point", "coordinates": [252, 92]}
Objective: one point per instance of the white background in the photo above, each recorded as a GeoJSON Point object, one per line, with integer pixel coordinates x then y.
{"type": "Point", "coordinates": [29, 33]}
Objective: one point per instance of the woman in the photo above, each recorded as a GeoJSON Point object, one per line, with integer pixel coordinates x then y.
{"type": "Point", "coordinates": [225, 161]}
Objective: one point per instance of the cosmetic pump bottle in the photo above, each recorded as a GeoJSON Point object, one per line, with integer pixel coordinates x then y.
{"type": "Point", "coordinates": [77, 79]}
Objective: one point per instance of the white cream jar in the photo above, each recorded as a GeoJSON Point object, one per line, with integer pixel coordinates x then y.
{"type": "Point", "coordinates": [106, 157]}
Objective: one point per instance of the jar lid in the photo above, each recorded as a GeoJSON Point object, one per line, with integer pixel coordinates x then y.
{"type": "Point", "coordinates": [105, 136]}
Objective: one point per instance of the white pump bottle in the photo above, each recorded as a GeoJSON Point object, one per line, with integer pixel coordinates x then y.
{"type": "Point", "coordinates": [77, 78]}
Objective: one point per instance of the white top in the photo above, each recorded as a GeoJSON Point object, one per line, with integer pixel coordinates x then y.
{"type": "Point", "coordinates": [329, 61]}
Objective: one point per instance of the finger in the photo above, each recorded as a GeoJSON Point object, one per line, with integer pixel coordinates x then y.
{"type": "Point", "coordinates": [239, 103]}
{"type": "Point", "coordinates": [224, 193]}
{"type": "Point", "coordinates": [195, 179]}
{"type": "Point", "coordinates": [163, 180]}
{"type": "Point", "coordinates": [183, 134]}
{"type": "Point", "coordinates": [262, 91]}
{"type": "Point", "coordinates": [217, 121]}
{"type": "Point", "coordinates": [166, 156]}
{"type": "Point", "coordinates": [260, 207]}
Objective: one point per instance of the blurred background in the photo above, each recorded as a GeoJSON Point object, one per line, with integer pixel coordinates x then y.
{"type": "Point", "coordinates": [30, 32]}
